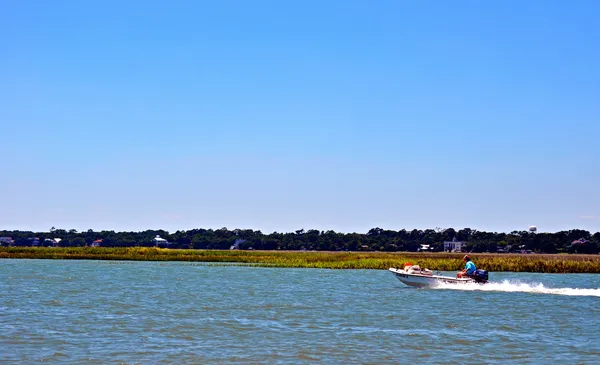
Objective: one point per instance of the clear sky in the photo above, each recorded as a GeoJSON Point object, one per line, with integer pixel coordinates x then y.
{"type": "Point", "coordinates": [282, 115]}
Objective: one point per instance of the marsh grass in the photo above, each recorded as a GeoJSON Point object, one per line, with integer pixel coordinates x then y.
{"type": "Point", "coordinates": [545, 263]}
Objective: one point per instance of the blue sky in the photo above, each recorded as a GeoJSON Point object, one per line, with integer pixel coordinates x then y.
{"type": "Point", "coordinates": [272, 115]}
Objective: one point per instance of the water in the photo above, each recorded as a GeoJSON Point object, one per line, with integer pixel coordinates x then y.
{"type": "Point", "coordinates": [99, 312]}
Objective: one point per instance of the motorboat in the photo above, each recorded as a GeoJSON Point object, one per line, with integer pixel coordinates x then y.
{"type": "Point", "coordinates": [413, 275]}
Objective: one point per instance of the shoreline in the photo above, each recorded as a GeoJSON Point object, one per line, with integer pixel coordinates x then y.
{"type": "Point", "coordinates": [442, 261]}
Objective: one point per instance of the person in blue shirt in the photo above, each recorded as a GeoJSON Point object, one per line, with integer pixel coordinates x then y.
{"type": "Point", "coordinates": [469, 268]}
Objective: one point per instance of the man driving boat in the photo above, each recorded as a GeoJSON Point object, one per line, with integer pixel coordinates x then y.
{"type": "Point", "coordinates": [469, 268]}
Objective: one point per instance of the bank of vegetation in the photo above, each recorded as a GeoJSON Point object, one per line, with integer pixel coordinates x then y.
{"type": "Point", "coordinates": [377, 239]}
{"type": "Point", "coordinates": [546, 263]}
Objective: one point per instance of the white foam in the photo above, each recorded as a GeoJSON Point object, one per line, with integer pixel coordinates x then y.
{"type": "Point", "coordinates": [518, 287]}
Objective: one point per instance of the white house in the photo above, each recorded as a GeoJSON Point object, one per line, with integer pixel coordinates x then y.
{"type": "Point", "coordinates": [236, 244]}
{"type": "Point", "coordinates": [52, 241]}
{"type": "Point", "coordinates": [454, 245]}
{"type": "Point", "coordinates": [160, 241]}
{"type": "Point", "coordinates": [424, 248]}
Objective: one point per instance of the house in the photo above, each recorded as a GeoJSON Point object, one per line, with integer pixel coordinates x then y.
{"type": "Point", "coordinates": [578, 244]}
{"type": "Point", "coordinates": [6, 241]}
{"type": "Point", "coordinates": [425, 248]}
{"type": "Point", "coordinates": [52, 241]}
{"type": "Point", "coordinates": [161, 242]}
{"type": "Point", "coordinates": [580, 241]}
{"type": "Point", "coordinates": [236, 244]}
{"type": "Point", "coordinates": [454, 245]}
{"type": "Point", "coordinates": [97, 243]}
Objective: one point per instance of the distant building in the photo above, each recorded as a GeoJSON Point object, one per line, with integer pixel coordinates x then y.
{"type": "Point", "coordinates": [161, 242]}
{"type": "Point", "coordinates": [236, 244]}
{"type": "Point", "coordinates": [52, 241]}
{"type": "Point", "coordinates": [454, 245]}
{"type": "Point", "coordinates": [425, 248]}
{"type": "Point", "coordinates": [97, 243]}
{"type": "Point", "coordinates": [6, 241]}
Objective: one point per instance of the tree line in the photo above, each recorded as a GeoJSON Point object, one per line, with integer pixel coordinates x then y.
{"type": "Point", "coordinates": [377, 239]}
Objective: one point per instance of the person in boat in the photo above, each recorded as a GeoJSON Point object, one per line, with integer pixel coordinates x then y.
{"type": "Point", "coordinates": [469, 269]}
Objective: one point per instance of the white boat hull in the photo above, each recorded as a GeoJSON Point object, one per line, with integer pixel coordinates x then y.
{"type": "Point", "coordinates": [418, 280]}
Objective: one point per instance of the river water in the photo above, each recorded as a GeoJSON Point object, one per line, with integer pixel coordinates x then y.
{"type": "Point", "coordinates": [103, 312]}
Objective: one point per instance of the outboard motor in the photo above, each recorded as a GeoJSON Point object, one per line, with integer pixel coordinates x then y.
{"type": "Point", "coordinates": [480, 276]}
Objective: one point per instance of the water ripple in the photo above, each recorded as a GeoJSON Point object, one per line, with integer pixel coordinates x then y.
{"type": "Point", "coordinates": [86, 312]}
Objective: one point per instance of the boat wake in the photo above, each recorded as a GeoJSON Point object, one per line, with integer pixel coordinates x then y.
{"type": "Point", "coordinates": [518, 287]}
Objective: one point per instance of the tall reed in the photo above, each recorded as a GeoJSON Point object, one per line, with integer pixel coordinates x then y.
{"type": "Point", "coordinates": [325, 260]}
